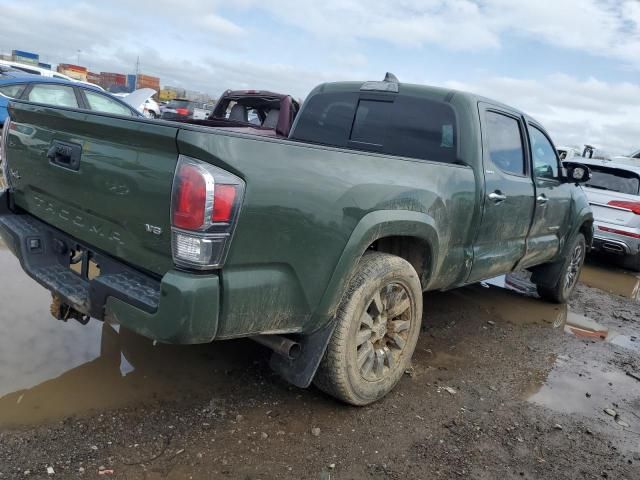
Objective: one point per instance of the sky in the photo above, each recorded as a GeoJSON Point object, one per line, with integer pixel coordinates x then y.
{"type": "Point", "coordinates": [572, 64]}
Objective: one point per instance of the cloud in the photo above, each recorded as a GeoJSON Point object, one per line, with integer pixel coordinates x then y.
{"type": "Point", "coordinates": [219, 25]}
{"type": "Point", "coordinates": [291, 45]}
{"type": "Point", "coordinates": [574, 111]}
{"type": "Point", "coordinates": [599, 27]}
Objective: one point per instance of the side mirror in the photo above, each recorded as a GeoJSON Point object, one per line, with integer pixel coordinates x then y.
{"type": "Point", "coordinates": [577, 172]}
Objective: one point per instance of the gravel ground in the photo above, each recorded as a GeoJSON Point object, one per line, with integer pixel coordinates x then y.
{"type": "Point", "coordinates": [503, 386]}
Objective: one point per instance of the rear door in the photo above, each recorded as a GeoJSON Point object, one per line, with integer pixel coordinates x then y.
{"type": "Point", "coordinates": [509, 194]}
{"type": "Point", "coordinates": [551, 221]}
{"type": "Point", "coordinates": [105, 180]}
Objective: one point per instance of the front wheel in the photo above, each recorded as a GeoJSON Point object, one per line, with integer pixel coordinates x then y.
{"type": "Point", "coordinates": [565, 284]}
{"type": "Point", "coordinates": [378, 323]}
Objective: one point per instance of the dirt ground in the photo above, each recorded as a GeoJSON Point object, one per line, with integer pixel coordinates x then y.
{"type": "Point", "coordinates": [503, 386]}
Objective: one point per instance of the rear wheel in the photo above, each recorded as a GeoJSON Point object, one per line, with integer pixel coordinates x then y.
{"type": "Point", "coordinates": [565, 284]}
{"type": "Point", "coordinates": [378, 323]}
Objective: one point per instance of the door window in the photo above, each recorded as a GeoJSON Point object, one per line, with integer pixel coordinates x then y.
{"type": "Point", "coordinates": [545, 161]}
{"type": "Point", "coordinates": [12, 91]}
{"type": "Point", "coordinates": [57, 95]}
{"type": "Point", "coordinates": [102, 103]}
{"type": "Point", "coordinates": [505, 143]}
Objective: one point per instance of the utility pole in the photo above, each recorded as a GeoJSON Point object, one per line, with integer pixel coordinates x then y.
{"type": "Point", "coordinates": [78, 57]}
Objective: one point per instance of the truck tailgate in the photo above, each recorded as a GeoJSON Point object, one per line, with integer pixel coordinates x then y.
{"type": "Point", "coordinates": [103, 179]}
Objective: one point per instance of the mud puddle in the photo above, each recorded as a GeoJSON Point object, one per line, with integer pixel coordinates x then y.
{"type": "Point", "coordinates": [573, 387]}
{"type": "Point", "coordinates": [610, 279]}
{"type": "Point", "coordinates": [51, 369]}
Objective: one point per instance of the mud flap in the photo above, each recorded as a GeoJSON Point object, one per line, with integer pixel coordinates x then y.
{"type": "Point", "coordinates": [300, 371]}
{"type": "Point", "coordinates": [547, 275]}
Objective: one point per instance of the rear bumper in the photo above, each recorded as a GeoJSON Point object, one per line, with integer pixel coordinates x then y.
{"type": "Point", "coordinates": [615, 243]}
{"type": "Point", "coordinates": [179, 308]}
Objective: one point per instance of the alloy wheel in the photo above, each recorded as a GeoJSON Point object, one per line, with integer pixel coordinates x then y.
{"type": "Point", "coordinates": [383, 332]}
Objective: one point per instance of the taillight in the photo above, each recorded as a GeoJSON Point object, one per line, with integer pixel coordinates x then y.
{"type": "Point", "coordinates": [182, 111]}
{"type": "Point", "coordinates": [223, 198]}
{"type": "Point", "coordinates": [191, 197]}
{"type": "Point", "coordinates": [629, 205]}
{"type": "Point", "coordinates": [204, 208]}
{"type": "Point", "coordinates": [619, 232]}
{"type": "Point", "coordinates": [4, 147]}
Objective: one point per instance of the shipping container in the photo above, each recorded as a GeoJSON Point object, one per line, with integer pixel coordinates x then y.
{"type": "Point", "coordinates": [23, 54]}
{"type": "Point", "coordinates": [114, 78]}
{"type": "Point", "coordinates": [93, 77]}
{"type": "Point", "coordinates": [131, 81]}
{"type": "Point", "coordinates": [73, 68]}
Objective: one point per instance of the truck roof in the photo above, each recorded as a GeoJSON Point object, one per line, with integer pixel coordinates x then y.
{"type": "Point", "coordinates": [420, 91]}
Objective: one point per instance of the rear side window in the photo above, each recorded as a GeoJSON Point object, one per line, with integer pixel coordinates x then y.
{"type": "Point", "coordinates": [12, 91]}
{"type": "Point", "coordinates": [327, 119]}
{"type": "Point", "coordinates": [423, 129]}
{"type": "Point", "coordinates": [504, 141]}
{"type": "Point", "coordinates": [102, 103]}
{"type": "Point", "coordinates": [57, 95]}
{"type": "Point", "coordinates": [614, 179]}
{"type": "Point", "coordinates": [394, 125]}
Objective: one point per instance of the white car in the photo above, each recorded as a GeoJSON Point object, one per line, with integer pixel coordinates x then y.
{"type": "Point", "coordinates": [43, 72]}
{"type": "Point", "coordinates": [141, 100]}
{"type": "Point", "coordinates": [151, 109]}
{"type": "Point", "coordinates": [614, 195]}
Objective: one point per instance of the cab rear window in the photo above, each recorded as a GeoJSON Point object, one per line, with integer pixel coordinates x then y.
{"type": "Point", "coordinates": [393, 124]}
{"type": "Point", "coordinates": [614, 179]}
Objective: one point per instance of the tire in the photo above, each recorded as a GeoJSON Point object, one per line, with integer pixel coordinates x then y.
{"type": "Point", "coordinates": [381, 309]}
{"type": "Point", "coordinates": [631, 262]}
{"type": "Point", "coordinates": [565, 283]}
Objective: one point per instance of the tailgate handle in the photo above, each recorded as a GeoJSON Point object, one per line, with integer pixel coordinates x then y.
{"type": "Point", "coordinates": [65, 154]}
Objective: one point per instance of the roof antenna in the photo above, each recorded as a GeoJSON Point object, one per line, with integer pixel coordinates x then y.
{"type": "Point", "coordinates": [390, 77]}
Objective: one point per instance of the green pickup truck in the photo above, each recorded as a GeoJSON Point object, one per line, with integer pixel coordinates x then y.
{"type": "Point", "coordinates": [318, 245]}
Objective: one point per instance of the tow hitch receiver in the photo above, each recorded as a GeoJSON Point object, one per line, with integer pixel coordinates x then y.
{"type": "Point", "coordinates": [62, 311]}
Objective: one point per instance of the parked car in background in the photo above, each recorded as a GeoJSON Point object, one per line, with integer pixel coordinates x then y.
{"type": "Point", "coordinates": [151, 109]}
{"type": "Point", "coordinates": [201, 111]}
{"type": "Point", "coordinates": [43, 72]}
{"type": "Point", "coordinates": [142, 100]}
{"type": "Point", "coordinates": [59, 93]}
{"type": "Point", "coordinates": [568, 153]}
{"type": "Point", "coordinates": [614, 194]}
{"type": "Point", "coordinates": [178, 109]}
{"type": "Point", "coordinates": [631, 159]}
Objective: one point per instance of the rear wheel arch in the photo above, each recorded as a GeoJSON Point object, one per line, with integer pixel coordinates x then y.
{"type": "Point", "coordinates": [415, 250]}
{"type": "Point", "coordinates": [399, 232]}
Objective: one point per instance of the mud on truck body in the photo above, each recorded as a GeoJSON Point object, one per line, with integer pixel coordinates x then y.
{"type": "Point", "coordinates": [318, 245]}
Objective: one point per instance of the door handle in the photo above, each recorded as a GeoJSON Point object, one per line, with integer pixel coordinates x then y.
{"type": "Point", "coordinates": [542, 199]}
{"type": "Point", "coordinates": [66, 155]}
{"type": "Point", "coordinates": [497, 197]}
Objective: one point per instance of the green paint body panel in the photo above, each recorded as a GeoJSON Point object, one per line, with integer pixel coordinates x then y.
{"type": "Point", "coordinates": [308, 215]}
{"type": "Point", "coordinates": [188, 310]}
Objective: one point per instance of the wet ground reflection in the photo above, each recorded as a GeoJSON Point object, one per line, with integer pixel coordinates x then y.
{"type": "Point", "coordinates": [50, 369]}
{"type": "Point", "coordinates": [611, 279]}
